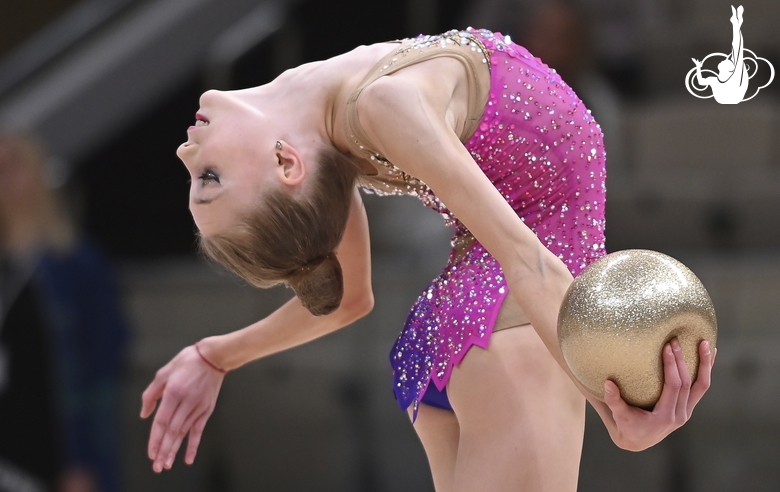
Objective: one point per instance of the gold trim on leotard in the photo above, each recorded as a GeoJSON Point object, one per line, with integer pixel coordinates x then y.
{"type": "Point", "coordinates": [461, 45]}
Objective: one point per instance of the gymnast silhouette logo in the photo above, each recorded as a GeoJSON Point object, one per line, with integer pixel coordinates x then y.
{"type": "Point", "coordinates": [735, 70]}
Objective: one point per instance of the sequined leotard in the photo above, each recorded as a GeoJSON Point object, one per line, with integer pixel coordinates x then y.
{"type": "Point", "coordinates": [541, 148]}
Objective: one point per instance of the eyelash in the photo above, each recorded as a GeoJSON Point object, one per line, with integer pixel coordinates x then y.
{"type": "Point", "coordinates": [209, 176]}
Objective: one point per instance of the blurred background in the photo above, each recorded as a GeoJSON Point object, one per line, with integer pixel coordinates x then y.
{"type": "Point", "coordinates": [100, 284]}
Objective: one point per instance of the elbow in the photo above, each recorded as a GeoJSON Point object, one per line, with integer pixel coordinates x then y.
{"type": "Point", "coordinates": [535, 262]}
{"type": "Point", "coordinates": [630, 446]}
{"type": "Point", "coordinates": [364, 306]}
{"type": "Point", "coordinates": [554, 265]}
{"type": "Point", "coordinates": [356, 307]}
{"type": "Point", "coordinates": [539, 266]}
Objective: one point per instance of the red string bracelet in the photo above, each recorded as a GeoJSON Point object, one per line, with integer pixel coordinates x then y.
{"type": "Point", "coordinates": [211, 364]}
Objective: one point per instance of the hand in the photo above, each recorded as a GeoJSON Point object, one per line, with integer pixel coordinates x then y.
{"type": "Point", "coordinates": [697, 62]}
{"type": "Point", "coordinates": [635, 429]}
{"type": "Point", "coordinates": [189, 389]}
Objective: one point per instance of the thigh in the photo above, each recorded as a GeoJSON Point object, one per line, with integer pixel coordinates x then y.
{"type": "Point", "coordinates": [521, 418]}
{"type": "Point", "coordinates": [439, 433]}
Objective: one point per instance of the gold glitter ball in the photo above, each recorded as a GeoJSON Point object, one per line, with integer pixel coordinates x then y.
{"type": "Point", "coordinates": [619, 313]}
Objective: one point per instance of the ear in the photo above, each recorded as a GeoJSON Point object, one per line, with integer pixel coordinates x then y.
{"type": "Point", "coordinates": [291, 166]}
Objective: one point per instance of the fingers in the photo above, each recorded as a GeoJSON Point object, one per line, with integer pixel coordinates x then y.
{"type": "Point", "coordinates": [194, 440]}
{"type": "Point", "coordinates": [636, 429]}
{"type": "Point", "coordinates": [149, 401]}
{"type": "Point", "coordinates": [187, 391]}
{"type": "Point", "coordinates": [180, 425]}
{"type": "Point", "coordinates": [681, 410]}
{"type": "Point", "coordinates": [667, 404]}
{"type": "Point", "coordinates": [614, 401]}
{"type": "Point", "coordinates": [161, 424]}
{"type": "Point", "coordinates": [150, 396]}
{"type": "Point", "coordinates": [703, 379]}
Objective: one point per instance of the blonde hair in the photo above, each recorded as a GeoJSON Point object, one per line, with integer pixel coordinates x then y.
{"type": "Point", "coordinates": [292, 241]}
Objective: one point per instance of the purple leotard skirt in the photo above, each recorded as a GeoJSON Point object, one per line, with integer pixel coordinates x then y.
{"type": "Point", "coordinates": [541, 148]}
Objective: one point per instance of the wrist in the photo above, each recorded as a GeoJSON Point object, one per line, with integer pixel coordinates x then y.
{"type": "Point", "coordinates": [207, 354]}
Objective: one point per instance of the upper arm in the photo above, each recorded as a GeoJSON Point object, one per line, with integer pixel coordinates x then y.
{"type": "Point", "coordinates": [354, 255]}
{"type": "Point", "coordinates": [411, 131]}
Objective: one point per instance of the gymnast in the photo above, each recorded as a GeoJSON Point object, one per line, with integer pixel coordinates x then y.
{"type": "Point", "coordinates": [731, 84]}
{"type": "Point", "coordinates": [480, 131]}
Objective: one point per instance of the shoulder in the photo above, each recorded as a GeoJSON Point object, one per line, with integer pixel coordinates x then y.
{"type": "Point", "coordinates": [391, 107]}
{"type": "Point", "coordinates": [387, 93]}
{"type": "Point", "coordinates": [432, 81]}
{"type": "Point", "coordinates": [407, 124]}
{"type": "Point", "coordinates": [407, 104]}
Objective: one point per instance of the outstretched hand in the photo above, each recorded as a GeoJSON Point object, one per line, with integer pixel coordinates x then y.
{"type": "Point", "coordinates": [189, 389]}
{"type": "Point", "coordinates": [635, 429]}
{"type": "Point", "coordinates": [697, 62]}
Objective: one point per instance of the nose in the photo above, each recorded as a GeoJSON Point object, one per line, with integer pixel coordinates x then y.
{"type": "Point", "coordinates": [209, 96]}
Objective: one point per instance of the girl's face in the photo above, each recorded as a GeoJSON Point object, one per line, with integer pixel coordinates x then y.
{"type": "Point", "coordinates": [229, 161]}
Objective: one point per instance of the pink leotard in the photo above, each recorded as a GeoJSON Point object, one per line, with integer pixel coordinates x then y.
{"type": "Point", "coordinates": [543, 151]}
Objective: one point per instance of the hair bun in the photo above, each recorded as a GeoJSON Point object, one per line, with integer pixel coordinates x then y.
{"type": "Point", "coordinates": [319, 285]}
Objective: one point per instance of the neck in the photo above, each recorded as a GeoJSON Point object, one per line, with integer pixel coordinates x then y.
{"type": "Point", "coordinates": [301, 102]}
{"type": "Point", "coordinates": [309, 101]}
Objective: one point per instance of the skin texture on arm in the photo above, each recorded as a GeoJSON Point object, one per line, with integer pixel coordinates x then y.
{"type": "Point", "coordinates": [408, 117]}
{"type": "Point", "coordinates": [189, 387]}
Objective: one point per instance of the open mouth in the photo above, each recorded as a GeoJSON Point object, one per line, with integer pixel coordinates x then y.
{"type": "Point", "coordinates": [201, 120]}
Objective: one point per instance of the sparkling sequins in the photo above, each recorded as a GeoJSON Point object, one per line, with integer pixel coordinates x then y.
{"type": "Point", "coordinates": [390, 179]}
{"type": "Point", "coordinates": [544, 153]}
{"type": "Point", "coordinates": [617, 316]}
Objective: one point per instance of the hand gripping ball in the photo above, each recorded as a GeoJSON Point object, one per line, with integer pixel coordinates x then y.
{"type": "Point", "coordinates": [619, 313]}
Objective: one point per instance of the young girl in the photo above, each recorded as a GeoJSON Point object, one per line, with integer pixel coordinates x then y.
{"type": "Point", "coordinates": [494, 140]}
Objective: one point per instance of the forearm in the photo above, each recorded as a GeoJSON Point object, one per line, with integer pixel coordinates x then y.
{"type": "Point", "coordinates": [539, 286]}
{"type": "Point", "coordinates": [540, 291]}
{"type": "Point", "coordinates": [289, 326]}
{"type": "Point", "coordinates": [292, 324]}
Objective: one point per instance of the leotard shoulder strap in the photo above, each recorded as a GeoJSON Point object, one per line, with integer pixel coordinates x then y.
{"type": "Point", "coordinates": [461, 45]}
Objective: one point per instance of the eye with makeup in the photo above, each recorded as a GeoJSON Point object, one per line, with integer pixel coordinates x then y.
{"type": "Point", "coordinates": [209, 175]}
